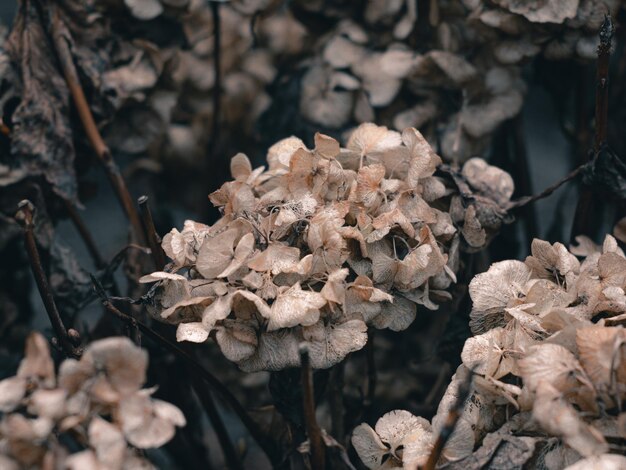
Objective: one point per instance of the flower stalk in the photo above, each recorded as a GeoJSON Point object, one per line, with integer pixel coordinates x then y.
{"type": "Point", "coordinates": [313, 430]}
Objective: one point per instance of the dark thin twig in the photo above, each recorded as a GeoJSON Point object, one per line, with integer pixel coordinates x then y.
{"type": "Point", "coordinates": [266, 444]}
{"type": "Point", "coordinates": [371, 370]}
{"type": "Point", "coordinates": [450, 423]}
{"type": "Point", "coordinates": [602, 83]}
{"type": "Point", "coordinates": [523, 201]}
{"type": "Point", "coordinates": [230, 454]}
{"type": "Point", "coordinates": [314, 432]}
{"type": "Point", "coordinates": [584, 211]}
{"type": "Point", "coordinates": [336, 402]}
{"type": "Point", "coordinates": [150, 233]}
{"type": "Point", "coordinates": [89, 124]}
{"type": "Point", "coordinates": [85, 234]}
{"type": "Point", "coordinates": [25, 217]}
{"type": "Point", "coordinates": [217, 86]}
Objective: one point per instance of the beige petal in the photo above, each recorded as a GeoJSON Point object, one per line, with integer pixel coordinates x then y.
{"type": "Point", "coordinates": [194, 332]}
{"type": "Point", "coordinates": [218, 310]}
{"type": "Point", "coordinates": [73, 373]}
{"type": "Point", "coordinates": [334, 289]}
{"type": "Point", "coordinates": [108, 442]}
{"type": "Point", "coordinates": [601, 351]}
{"type": "Point", "coordinates": [279, 154]}
{"type": "Point", "coordinates": [47, 403]}
{"type": "Point", "coordinates": [368, 446]}
{"type": "Point", "coordinates": [335, 342]}
{"type": "Point", "coordinates": [295, 307]}
{"type": "Point", "coordinates": [553, 364]}
{"type": "Point", "coordinates": [144, 9]}
{"type": "Point", "coordinates": [160, 275]}
{"type": "Point", "coordinates": [7, 463]}
{"type": "Point", "coordinates": [186, 309]}
{"type": "Point", "coordinates": [424, 160]}
{"type": "Point", "coordinates": [395, 426]}
{"type": "Point", "coordinates": [37, 363]}
{"type": "Point", "coordinates": [276, 350]}
{"type": "Point", "coordinates": [84, 460]}
{"type": "Point", "coordinates": [124, 363]}
{"type": "Point", "coordinates": [489, 180]}
{"type": "Point", "coordinates": [240, 167]}
{"type": "Point", "coordinates": [148, 423]}
{"type": "Point", "coordinates": [396, 316]}
{"type": "Point", "coordinates": [246, 305]}
{"type": "Point", "coordinates": [472, 231]}
{"type": "Point", "coordinates": [417, 447]}
{"type": "Point", "coordinates": [237, 342]}
{"type": "Point", "coordinates": [559, 418]}
{"type": "Point", "coordinates": [12, 390]}
{"type": "Point", "coordinates": [370, 139]}
{"type": "Point", "coordinates": [483, 353]}
{"type": "Point", "coordinates": [244, 249]}
{"type": "Point", "coordinates": [492, 291]}
{"type": "Point", "coordinates": [216, 254]}
{"type": "Point", "coordinates": [368, 184]}
{"type": "Point", "coordinates": [600, 462]}
{"type": "Point", "coordinates": [326, 146]}
{"type": "Point", "coordinates": [275, 258]}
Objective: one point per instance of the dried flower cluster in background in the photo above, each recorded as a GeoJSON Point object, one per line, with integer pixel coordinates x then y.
{"type": "Point", "coordinates": [92, 414]}
{"type": "Point", "coordinates": [549, 365]}
{"type": "Point", "coordinates": [323, 243]}
{"type": "Point", "coordinates": [454, 73]}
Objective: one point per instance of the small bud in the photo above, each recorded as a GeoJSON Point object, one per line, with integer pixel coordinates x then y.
{"type": "Point", "coordinates": [74, 336]}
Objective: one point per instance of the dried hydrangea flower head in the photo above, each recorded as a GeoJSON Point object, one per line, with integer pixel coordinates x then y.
{"type": "Point", "coordinates": [320, 245]}
{"type": "Point", "coordinates": [548, 355]}
{"type": "Point", "coordinates": [96, 402]}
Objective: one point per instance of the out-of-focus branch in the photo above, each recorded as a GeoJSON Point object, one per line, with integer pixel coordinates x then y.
{"type": "Point", "coordinates": [89, 124]}
{"type": "Point", "coordinates": [450, 423]}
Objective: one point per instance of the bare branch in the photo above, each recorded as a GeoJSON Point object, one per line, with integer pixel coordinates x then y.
{"type": "Point", "coordinates": [154, 241]}
{"type": "Point", "coordinates": [89, 124]}
{"type": "Point", "coordinates": [25, 217]}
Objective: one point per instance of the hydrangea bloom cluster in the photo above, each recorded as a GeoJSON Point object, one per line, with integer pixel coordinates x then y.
{"type": "Point", "coordinates": [95, 404]}
{"type": "Point", "coordinates": [324, 243]}
{"type": "Point", "coordinates": [549, 365]}
{"type": "Point", "coordinates": [383, 62]}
